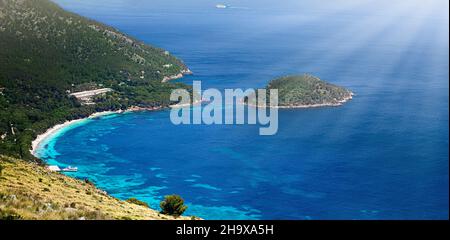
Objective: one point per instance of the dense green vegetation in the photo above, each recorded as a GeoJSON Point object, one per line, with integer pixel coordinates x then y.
{"type": "Point", "coordinates": [47, 53]}
{"type": "Point", "coordinates": [307, 90]}
{"type": "Point", "coordinates": [173, 205]}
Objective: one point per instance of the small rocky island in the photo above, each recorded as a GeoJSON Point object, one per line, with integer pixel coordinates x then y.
{"type": "Point", "coordinates": [303, 91]}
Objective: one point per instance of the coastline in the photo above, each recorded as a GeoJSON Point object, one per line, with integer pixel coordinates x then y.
{"type": "Point", "coordinates": [183, 73]}
{"type": "Point", "coordinates": [339, 103]}
{"type": "Point", "coordinates": [59, 127]}
{"type": "Point", "coordinates": [55, 129]}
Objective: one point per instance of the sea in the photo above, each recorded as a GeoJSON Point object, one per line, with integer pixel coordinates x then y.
{"type": "Point", "coordinates": [382, 155]}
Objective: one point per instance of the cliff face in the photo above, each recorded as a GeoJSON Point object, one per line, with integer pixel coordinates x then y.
{"type": "Point", "coordinates": [30, 191]}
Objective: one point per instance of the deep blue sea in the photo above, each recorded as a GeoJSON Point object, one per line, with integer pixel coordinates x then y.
{"type": "Point", "coordinates": [383, 155]}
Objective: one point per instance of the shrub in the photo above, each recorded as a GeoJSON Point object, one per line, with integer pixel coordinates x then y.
{"type": "Point", "coordinates": [137, 202]}
{"type": "Point", "coordinates": [173, 205]}
{"type": "Point", "coordinates": [9, 215]}
{"type": "Point", "coordinates": [1, 169]}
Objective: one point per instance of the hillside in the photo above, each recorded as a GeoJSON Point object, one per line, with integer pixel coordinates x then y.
{"type": "Point", "coordinates": [307, 91]}
{"type": "Point", "coordinates": [47, 53]}
{"type": "Point", "coordinates": [30, 191]}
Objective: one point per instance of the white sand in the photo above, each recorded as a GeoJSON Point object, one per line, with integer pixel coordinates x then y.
{"type": "Point", "coordinates": [56, 128]}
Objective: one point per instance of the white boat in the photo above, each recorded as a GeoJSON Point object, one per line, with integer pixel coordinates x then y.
{"type": "Point", "coordinates": [221, 6]}
{"type": "Point", "coordinates": [54, 168]}
{"type": "Point", "coordinates": [70, 169]}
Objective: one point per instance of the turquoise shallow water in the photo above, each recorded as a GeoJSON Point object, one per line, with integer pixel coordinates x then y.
{"type": "Point", "coordinates": [384, 155]}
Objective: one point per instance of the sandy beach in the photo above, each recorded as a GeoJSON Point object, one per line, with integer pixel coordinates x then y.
{"type": "Point", "coordinates": [58, 127]}
{"type": "Point", "coordinates": [51, 131]}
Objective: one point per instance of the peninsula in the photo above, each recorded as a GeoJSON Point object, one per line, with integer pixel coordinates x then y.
{"type": "Point", "coordinates": [58, 67]}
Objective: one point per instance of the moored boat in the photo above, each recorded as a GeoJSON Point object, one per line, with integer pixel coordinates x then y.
{"type": "Point", "coordinates": [70, 169]}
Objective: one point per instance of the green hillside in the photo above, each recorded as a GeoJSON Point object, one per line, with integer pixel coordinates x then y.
{"type": "Point", "coordinates": [47, 53]}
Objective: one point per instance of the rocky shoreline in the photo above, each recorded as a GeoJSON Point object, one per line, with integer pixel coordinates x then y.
{"type": "Point", "coordinates": [337, 104]}
{"type": "Point", "coordinates": [183, 73]}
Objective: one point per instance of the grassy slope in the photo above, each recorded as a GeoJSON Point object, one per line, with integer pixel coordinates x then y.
{"type": "Point", "coordinates": [30, 191]}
